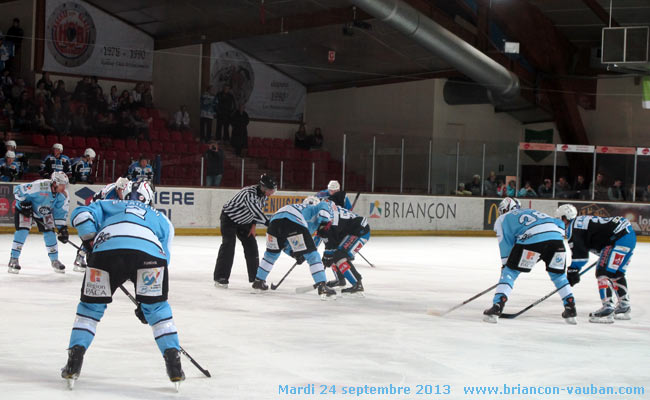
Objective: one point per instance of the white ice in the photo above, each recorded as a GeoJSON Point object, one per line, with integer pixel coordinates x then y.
{"type": "Point", "coordinates": [253, 343]}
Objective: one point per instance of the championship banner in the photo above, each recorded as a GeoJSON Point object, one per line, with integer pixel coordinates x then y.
{"type": "Point", "coordinates": [83, 40]}
{"type": "Point", "coordinates": [615, 150]}
{"type": "Point", "coordinates": [267, 93]}
{"type": "Point", "coordinates": [643, 151]}
{"type": "Point", "coordinates": [637, 214]}
{"type": "Point", "coordinates": [575, 148]}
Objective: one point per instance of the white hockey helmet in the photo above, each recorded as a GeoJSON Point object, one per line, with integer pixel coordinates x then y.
{"type": "Point", "coordinates": [567, 211]}
{"type": "Point", "coordinates": [334, 185]}
{"type": "Point", "coordinates": [508, 204]}
{"type": "Point", "coordinates": [125, 186]}
{"type": "Point", "coordinates": [10, 154]}
{"type": "Point", "coordinates": [57, 146]}
{"type": "Point", "coordinates": [143, 193]}
{"type": "Point", "coordinates": [10, 143]}
{"type": "Point", "coordinates": [311, 201]}
{"type": "Point", "coordinates": [60, 178]}
{"type": "Point", "coordinates": [89, 153]}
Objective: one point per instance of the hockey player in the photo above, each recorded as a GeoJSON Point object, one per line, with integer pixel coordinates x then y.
{"type": "Point", "coordinates": [291, 230]}
{"type": "Point", "coordinates": [140, 170]}
{"type": "Point", "coordinates": [343, 239]}
{"type": "Point", "coordinates": [55, 162]}
{"type": "Point", "coordinates": [128, 240]}
{"type": "Point", "coordinates": [526, 237]}
{"type": "Point", "coordinates": [9, 168]}
{"type": "Point", "coordinates": [19, 158]}
{"type": "Point", "coordinates": [46, 203]}
{"type": "Point", "coordinates": [335, 194]}
{"type": "Point", "coordinates": [613, 240]}
{"type": "Point", "coordinates": [82, 167]}
{"type": "Point", "coordinates": [120, 190]}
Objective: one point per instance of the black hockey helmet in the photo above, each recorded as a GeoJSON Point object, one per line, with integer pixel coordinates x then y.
{"type": "Point", "coordinates": [267, 181]}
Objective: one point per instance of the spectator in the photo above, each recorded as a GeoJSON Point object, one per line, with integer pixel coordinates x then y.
{"type": "Point", "coordinates": [137, 93]}
{"type": "Point", "coordinates": [214, 160]}
{"type": "Point", "coordinates": [55, 162]}
{"type": "Point", "coordinates": [6, 52]}
{"type": "Point", "coordinates": [181, 119]}
{"type": "Point", "coordinates": [9, 168]}
{"type": "Point", "coordinates": [646, 194]}
{"type": "Point", "coordinates": [208, 111]}
{"type": "Point", "coordinates": [61, 92]}
{"type": "Point", "coordinates": [140, 170]}
{"type": "Point", "coordinates": [80, 123]}
{"type": "Point", "coordinates": [41, 90]}
{"type": "Point", "coordinates": [317, 139]}
{"type": "Point", "coordinates": [113, 99]}
{"type": "Point", "coordinates": [562, 189]}
{"type": "Point", "coordinates": [490, 185]}
{"type": "Point", "coordinates": [545, 190]}
{"type": "Point", "coordinates": [18, 88]}
{"type": "Point", "coordinates": [124, 100]}
{"type": "Point", "coordinates": [41, 121]}
{"type": "Point", "coordinates": [475, 185]}
{"type": "Point", "coordinates": [600, 189]}
{"type": "Point", "coordinates": [147, 97]}
{"type": "Point", "coordinates": [527, 190]}
{"type": "Point", "coordinates": [511, 190]}
{"type": "Point", "coordinates": [22, 122]}
{"type": "Point", "coordinates": [59, 118]}
{"type": "Point", "coordinates": [225, 108]}
{"type": "Point", "coordinates": [461, 191]}
{"type": "Point", "coordinates": [16, 34]}
{"type": "Point", "coordinates": [581, 189]}
{"type": "Point", "coordinates": [82, 89]}
{"type": "Point", "coordinates": [239, 121]}
{"type": "Point", "coordinates": [501, 189]}
{"type": "Point", "coordinates": [615, 192]}
{"type": "Point", "coordinates": [97, 103]}
{"type": "Point", "coordinates": [6, 82]}
{"type": "Point", "coordinates": [301, 140]}
{"type": "Point", "coordinates": [47, 82]}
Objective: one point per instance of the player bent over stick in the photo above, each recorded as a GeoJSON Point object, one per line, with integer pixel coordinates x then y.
{"type": "Point", "coordinates": [291, 229]}
{"type": "Point", "coordinates": [525, 237]}
{"type": "Point", "coordinates": [343, 238]}
{"type": "Point", "coordinates": [613, 240]}
{"type": "Point", "coordinates": [127, 240]}
{"type": "Point", "coordinates": [44, 202]}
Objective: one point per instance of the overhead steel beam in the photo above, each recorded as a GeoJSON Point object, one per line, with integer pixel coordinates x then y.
{"type": "Point", "coordinates": [600, 12]}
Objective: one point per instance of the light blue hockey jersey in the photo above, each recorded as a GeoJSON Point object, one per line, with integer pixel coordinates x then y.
{"type": "Point", "coordinates": [15, 167]}
{"type": "Point", "coordinates": [124, 225]}
{"type": "Point", "coordinates": [137, 173]}
{"type": "Point", "coordinates": [45, 204]}
{"type": "Point", "coordinates": [308, 216]}
{"type": "Point", "coordinates": [525, 226]}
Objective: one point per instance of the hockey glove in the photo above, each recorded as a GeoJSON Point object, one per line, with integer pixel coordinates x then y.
{"type": "Point", "coordinates": [87, 245]}
{"type": "Point", "coordinates": [138, 313]}
{"type": "Point", "coordinates": [300, 259]}
{"type": "Point", "coordinates": [328, 260]}
{"type": "Point", "coordinates": [26, 208]}
{"type": "Point", "coordinates": [63, 235]}
{"type": "Point", "coordinates": [573, 275]}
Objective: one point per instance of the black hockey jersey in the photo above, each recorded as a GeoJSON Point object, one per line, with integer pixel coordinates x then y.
{"type": "Point", "coordinates": [588, 233]}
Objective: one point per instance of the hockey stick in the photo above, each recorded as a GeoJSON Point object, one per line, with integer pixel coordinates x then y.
{"type": "Point", "coordinates": [536, 302]}
{"type": "Point", "coordinates": [476, 296]}
{"type": "Point", "coordinates": [126, 292]}
{"type": "Point", "coordinates": [274, 286]}
{"type": "Point", "coordinates": [366, 260]}
{"type": "Point", "coordinates": [354, 203]}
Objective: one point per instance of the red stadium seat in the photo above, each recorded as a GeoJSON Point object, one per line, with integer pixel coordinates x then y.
{"type": "Point", "coordinates": [188, 136]}
{"type": "Point", "coordinates": [180, 148]}
{"type": "Point", "coordinates": [164, 135]}
{"type": "Point", "coordinates": [106, 143]}
{"type": "Point", "coordinates": [78, 142]}
{"type": "Point", "coordinates": [50, 140]}
{"type": "Point", "coordinates": [66, 141]}
{"type": "Point", "coordinates": [144, 146]}
{"type": "Point", "coordinates": [278, 143]}
{"type": "Point", "coordinates": [193, 148]}
{"type": "Point", "coordinates": [175, 136]}
{"type": "Point", "coordinates": [123, 156]}
{"type": "Point", "coordinates": [257, 142]}
{"type": "Point", "coordinates": [267, 142]}
{"type": "Point", "coordinates": [203, 147]}
{"type": "Point", "coordinates": [156, 147]}
{"type": "Point", "coordinates": [288, 143]}
{"type": "Point", "coordinates": [131, 144]}
{"type": "Point", "coordinates": [169, 147]}
{"type": "Point", "coordinates": [154, 134]}
{"type": "Point", "coordinates": [110, 155]}
{"type": "Point", "coordinates": [92, 142]}
{"type": "Point", "coordinates": [119, 144]}
{"type": "Point", "coordinates": [38, 140]}
{"type": "Point", "coordinates": [143, 113]}
{"type": "Point", "coordinates": [158, 123]}
{"type": "Point", "coordinates": [153, 113]}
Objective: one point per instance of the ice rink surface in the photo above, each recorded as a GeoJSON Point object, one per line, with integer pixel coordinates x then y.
{"type": "Point", "coordinates": [253, 343]}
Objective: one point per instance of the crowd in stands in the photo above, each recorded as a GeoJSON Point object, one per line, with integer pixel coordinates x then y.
{"type": "Point", "coordinates": [305, 141]}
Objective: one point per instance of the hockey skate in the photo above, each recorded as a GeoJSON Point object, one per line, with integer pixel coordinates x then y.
{"type": "Point", "coordinates": [569, 314]}
{"type": "Point", "coordinates": [72, 369]}
{"type": "Point", "coordinates": [493, 313]}
{"type": "Point", "coordinates": [325, 292]}
{"type": "Point", "coordinates": [14, 267]}
{"type": "Point", "coordinates": [80, 262]}
{"type": "Point", "coordinates": [355, 290]}
{"type": "Point", "coordinates": [259, 286]}
{"type": "Point", "coordinates": [58, 266]}
{"type": "Point", "coordinates": [604, 315]}
{"type": "Point", "coordinates": [221, 283]}
{"type": "Point", "coordinates": [174, 370]}
{"type": "Point", "coordinates": [623, 309]}
{"type": "Point", "coordinates": [339, 281]}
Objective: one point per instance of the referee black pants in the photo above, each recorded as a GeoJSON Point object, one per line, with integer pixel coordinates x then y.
{"type": "Point", "coordinates": [229, 232]}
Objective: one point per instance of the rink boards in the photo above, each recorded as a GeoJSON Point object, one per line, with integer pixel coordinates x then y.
{"type": "Point", "coordinates": [196, 211]}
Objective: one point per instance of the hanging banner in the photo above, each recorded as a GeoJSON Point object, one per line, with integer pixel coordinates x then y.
{"type": "Point", "coordinates": [575, 148]}
{"type": "Point", "coordinates": [267, 93]}
{"type": "Point", "coordinates": [83, 40]}
{"type": "Point", "coordinates": [535, 138]}
{"type": "Point", "coordinates": [615, 150]}
{"type": "Point", "coordinates": [643, 151]}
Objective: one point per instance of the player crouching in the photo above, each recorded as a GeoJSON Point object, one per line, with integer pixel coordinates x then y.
{"type": "Point", "coordinates": [291, 229]}
{"type": "Point", "coordinates": [614, 240]}
{"type": "Point", "coordinates": [526, 237]}
{"type": "Point", "coordinates": [343, 238]}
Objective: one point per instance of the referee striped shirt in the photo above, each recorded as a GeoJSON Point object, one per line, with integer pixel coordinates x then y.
{"type": "Point", "coordinates": [246, 206]}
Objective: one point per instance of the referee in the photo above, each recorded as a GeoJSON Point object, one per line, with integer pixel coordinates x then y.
{"type": "Point", "coordinates": [238, 219]}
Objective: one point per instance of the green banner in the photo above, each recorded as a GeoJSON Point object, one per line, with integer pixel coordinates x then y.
{"type": "Point", "coordinates": [532, 136]}
{"type": "Point", "coordinates": [645, 83]}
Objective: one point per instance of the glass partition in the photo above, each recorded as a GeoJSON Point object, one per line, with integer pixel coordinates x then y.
{"type": "Point", "coordinates": [614, 173]}
{"type": "Point", "coordinates": [416, 165]}
{"type": "Point", "coordinates": [642, 192]}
